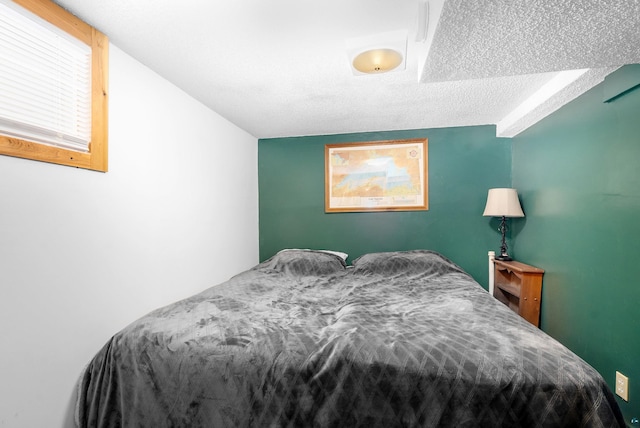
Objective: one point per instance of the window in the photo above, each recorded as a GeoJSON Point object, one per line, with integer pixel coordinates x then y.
{"type": "Point", "coordinates": [53, 81]}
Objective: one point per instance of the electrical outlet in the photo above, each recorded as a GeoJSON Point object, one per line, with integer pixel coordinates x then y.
{"type": "Point", "coordinates": [622, 386]}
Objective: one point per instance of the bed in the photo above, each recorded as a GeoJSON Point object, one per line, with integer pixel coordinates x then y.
{"type": "Point", "coordinates": [398, 339]}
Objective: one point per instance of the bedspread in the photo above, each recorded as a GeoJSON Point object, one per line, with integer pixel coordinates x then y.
{"type": "Point", "coordinates": [399, 339]}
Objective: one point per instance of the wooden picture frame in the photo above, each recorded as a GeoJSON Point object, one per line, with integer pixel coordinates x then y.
{"type": "Point", "coordinates": [377, 176]}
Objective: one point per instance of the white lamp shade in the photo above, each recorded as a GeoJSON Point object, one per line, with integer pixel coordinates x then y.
{"type": "Point", "coordinates": [503, 202]}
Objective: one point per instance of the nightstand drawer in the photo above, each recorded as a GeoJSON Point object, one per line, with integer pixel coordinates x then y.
{"type": "Point", "coordinates": [519, 286]}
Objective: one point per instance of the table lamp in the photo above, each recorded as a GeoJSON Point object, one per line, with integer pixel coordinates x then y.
{"type": "Point", "coordinates": [503, 203]}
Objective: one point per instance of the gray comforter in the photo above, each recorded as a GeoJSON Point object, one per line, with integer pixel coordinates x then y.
{"type": "Point", "coordinates": [300, 340]}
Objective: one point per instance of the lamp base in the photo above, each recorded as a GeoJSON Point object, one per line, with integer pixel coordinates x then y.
{"type": "Point", "coordinates": [503, 244]}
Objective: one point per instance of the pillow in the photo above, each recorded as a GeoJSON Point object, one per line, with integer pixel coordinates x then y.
{"type": "Point", "coordinates": [306, 262]}
{"type": "Point", "coordinates": [407, 262]}
{"type": "Point", "coordinates": [340, 254]}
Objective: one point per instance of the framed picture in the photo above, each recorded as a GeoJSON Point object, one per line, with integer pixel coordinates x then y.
{"type": "Point", "coordinates": [376, 176]}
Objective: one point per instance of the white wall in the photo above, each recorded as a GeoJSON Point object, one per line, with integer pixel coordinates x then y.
{"type": "Point", "coordinates": [82, 253]}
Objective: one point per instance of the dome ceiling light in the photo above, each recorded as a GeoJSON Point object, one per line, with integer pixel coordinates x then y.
{"type": "Point", "coordinates": [378, 53]}
{"type": "Point", "coordinates": [377, 60]}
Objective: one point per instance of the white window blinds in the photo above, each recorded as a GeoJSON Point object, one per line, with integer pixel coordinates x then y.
{"type": "Point", "coordinates": [45, 81]}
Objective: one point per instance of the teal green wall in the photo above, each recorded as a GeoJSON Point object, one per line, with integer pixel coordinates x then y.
{"type": "Point", "coordinates": [463, 164]}
{"type": "Point", "coordinates": [578, 175]}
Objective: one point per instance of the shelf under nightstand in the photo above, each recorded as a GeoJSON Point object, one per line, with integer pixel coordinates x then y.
{"type": "Point", "coordinates": [519, 286]}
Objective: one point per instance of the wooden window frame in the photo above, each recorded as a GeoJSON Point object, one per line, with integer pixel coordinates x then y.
{"type": "Point", "coordinates": [97, 157]}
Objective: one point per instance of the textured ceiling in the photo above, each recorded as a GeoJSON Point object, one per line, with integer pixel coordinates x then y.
{"type": "Point", "coordinates": [280, 68]}
{"type": "Point", "coordinates": [503, 38]}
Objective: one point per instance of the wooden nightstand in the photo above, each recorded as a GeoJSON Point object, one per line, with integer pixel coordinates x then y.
{"type": "Point", "coordinates": [519, 286]}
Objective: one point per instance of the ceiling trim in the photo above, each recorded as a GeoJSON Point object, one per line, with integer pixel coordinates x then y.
{"type": "Point", "coordinates": [562, 88]}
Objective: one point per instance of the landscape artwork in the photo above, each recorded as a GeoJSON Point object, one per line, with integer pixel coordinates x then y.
{"type": "Point", "coordinates": [376, 176]}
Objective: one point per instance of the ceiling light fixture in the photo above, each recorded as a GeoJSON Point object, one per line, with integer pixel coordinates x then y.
{"type": "Point", "coordinates": [377, 60]}
{"type": "Point", "coordinates": [377, 53]}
